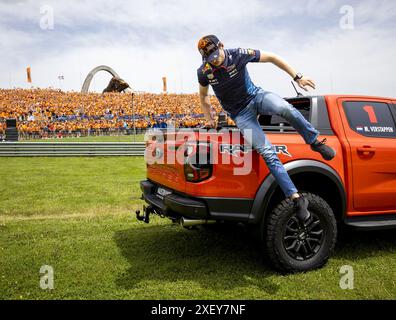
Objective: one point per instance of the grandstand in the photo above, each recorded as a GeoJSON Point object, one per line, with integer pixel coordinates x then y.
{"type": "Point", "coordinates": [48, 113]}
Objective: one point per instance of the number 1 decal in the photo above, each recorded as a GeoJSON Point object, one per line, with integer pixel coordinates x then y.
{"type": "Point", "coordinates": [371, 114]}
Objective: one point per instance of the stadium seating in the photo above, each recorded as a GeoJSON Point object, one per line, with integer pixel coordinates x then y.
{"type": "Point", "coordinates": [43, 113]}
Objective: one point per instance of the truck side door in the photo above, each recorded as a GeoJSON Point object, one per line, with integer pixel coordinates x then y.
{"type": "Point", "coordinates": [370, 129]}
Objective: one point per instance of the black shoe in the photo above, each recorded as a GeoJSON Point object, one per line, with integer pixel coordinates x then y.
{"type": "Point", "coordinates": [326, 152]}
{"type": "Point", "coordinates": [301, 207]}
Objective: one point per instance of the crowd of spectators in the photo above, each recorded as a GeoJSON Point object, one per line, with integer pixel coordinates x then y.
{"type": "Point", "coordinates": [43, 113]}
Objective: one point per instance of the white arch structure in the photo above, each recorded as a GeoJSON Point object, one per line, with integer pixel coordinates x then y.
{"type": "Point", "coordinates": [90, 75]}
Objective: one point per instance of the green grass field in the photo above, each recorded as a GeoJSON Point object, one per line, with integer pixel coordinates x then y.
{"type": "Point", "coordinates": [75, 214]}
{"type": "Point", "coordinates": [123, 138]}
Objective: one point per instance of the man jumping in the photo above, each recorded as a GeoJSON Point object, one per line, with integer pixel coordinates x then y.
{"type": "Point", "coordinates": [225, 70]}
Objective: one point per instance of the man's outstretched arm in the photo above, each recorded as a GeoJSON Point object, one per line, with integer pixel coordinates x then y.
{"type": "Point", "coordinates": [282, 64]}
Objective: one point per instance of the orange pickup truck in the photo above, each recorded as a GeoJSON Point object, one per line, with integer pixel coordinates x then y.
{"type": "Point", "coordinates": [200, 176]}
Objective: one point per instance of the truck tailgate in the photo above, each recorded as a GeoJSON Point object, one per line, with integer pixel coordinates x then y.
{"type": "Point", "coordinates": [162, 165]}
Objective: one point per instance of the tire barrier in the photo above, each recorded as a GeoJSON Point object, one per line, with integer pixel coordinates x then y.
{"type": "Point", "coordinates": [71, 149]}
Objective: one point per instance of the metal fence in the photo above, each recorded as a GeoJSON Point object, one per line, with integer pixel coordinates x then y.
{"type": "Point", "coordinates": [26, 136]}
{"type": "Point", "coordinates": [70, 149]}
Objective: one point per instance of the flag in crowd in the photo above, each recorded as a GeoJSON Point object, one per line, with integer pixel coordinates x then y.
{"type": "Point", "coordinates": [29, 76]}
{"type": "Point", "coordinates": [164, 88]}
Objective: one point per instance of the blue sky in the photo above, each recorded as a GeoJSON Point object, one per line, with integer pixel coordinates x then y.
{"type": "Point", "coordinates": [146, 40]}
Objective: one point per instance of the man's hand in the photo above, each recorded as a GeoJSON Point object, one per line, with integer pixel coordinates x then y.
{"type": "Point", "coordinates": [211, 124]}
{"type": "Point", "coordinates": [305, 82]}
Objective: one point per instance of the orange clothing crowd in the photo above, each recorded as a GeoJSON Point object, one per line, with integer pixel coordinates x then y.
{"type": "Point", "coordinates": [45, 112]}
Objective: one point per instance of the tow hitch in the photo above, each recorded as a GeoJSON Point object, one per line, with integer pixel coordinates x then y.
{"type": "Point", "coordinates": [146, 214]}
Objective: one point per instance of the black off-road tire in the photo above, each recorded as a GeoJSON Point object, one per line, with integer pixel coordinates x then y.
{"type": "Point", "coordinates": [279, 237]}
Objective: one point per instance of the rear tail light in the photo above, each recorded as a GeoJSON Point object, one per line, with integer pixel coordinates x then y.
{"type": "Point", "coordinates": [198, 162]}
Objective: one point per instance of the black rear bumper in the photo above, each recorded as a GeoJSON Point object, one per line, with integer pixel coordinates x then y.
{"type": "Point", "coordinates": [177, 204]}
{"type": "Point", "coordinates": [173, 203]}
